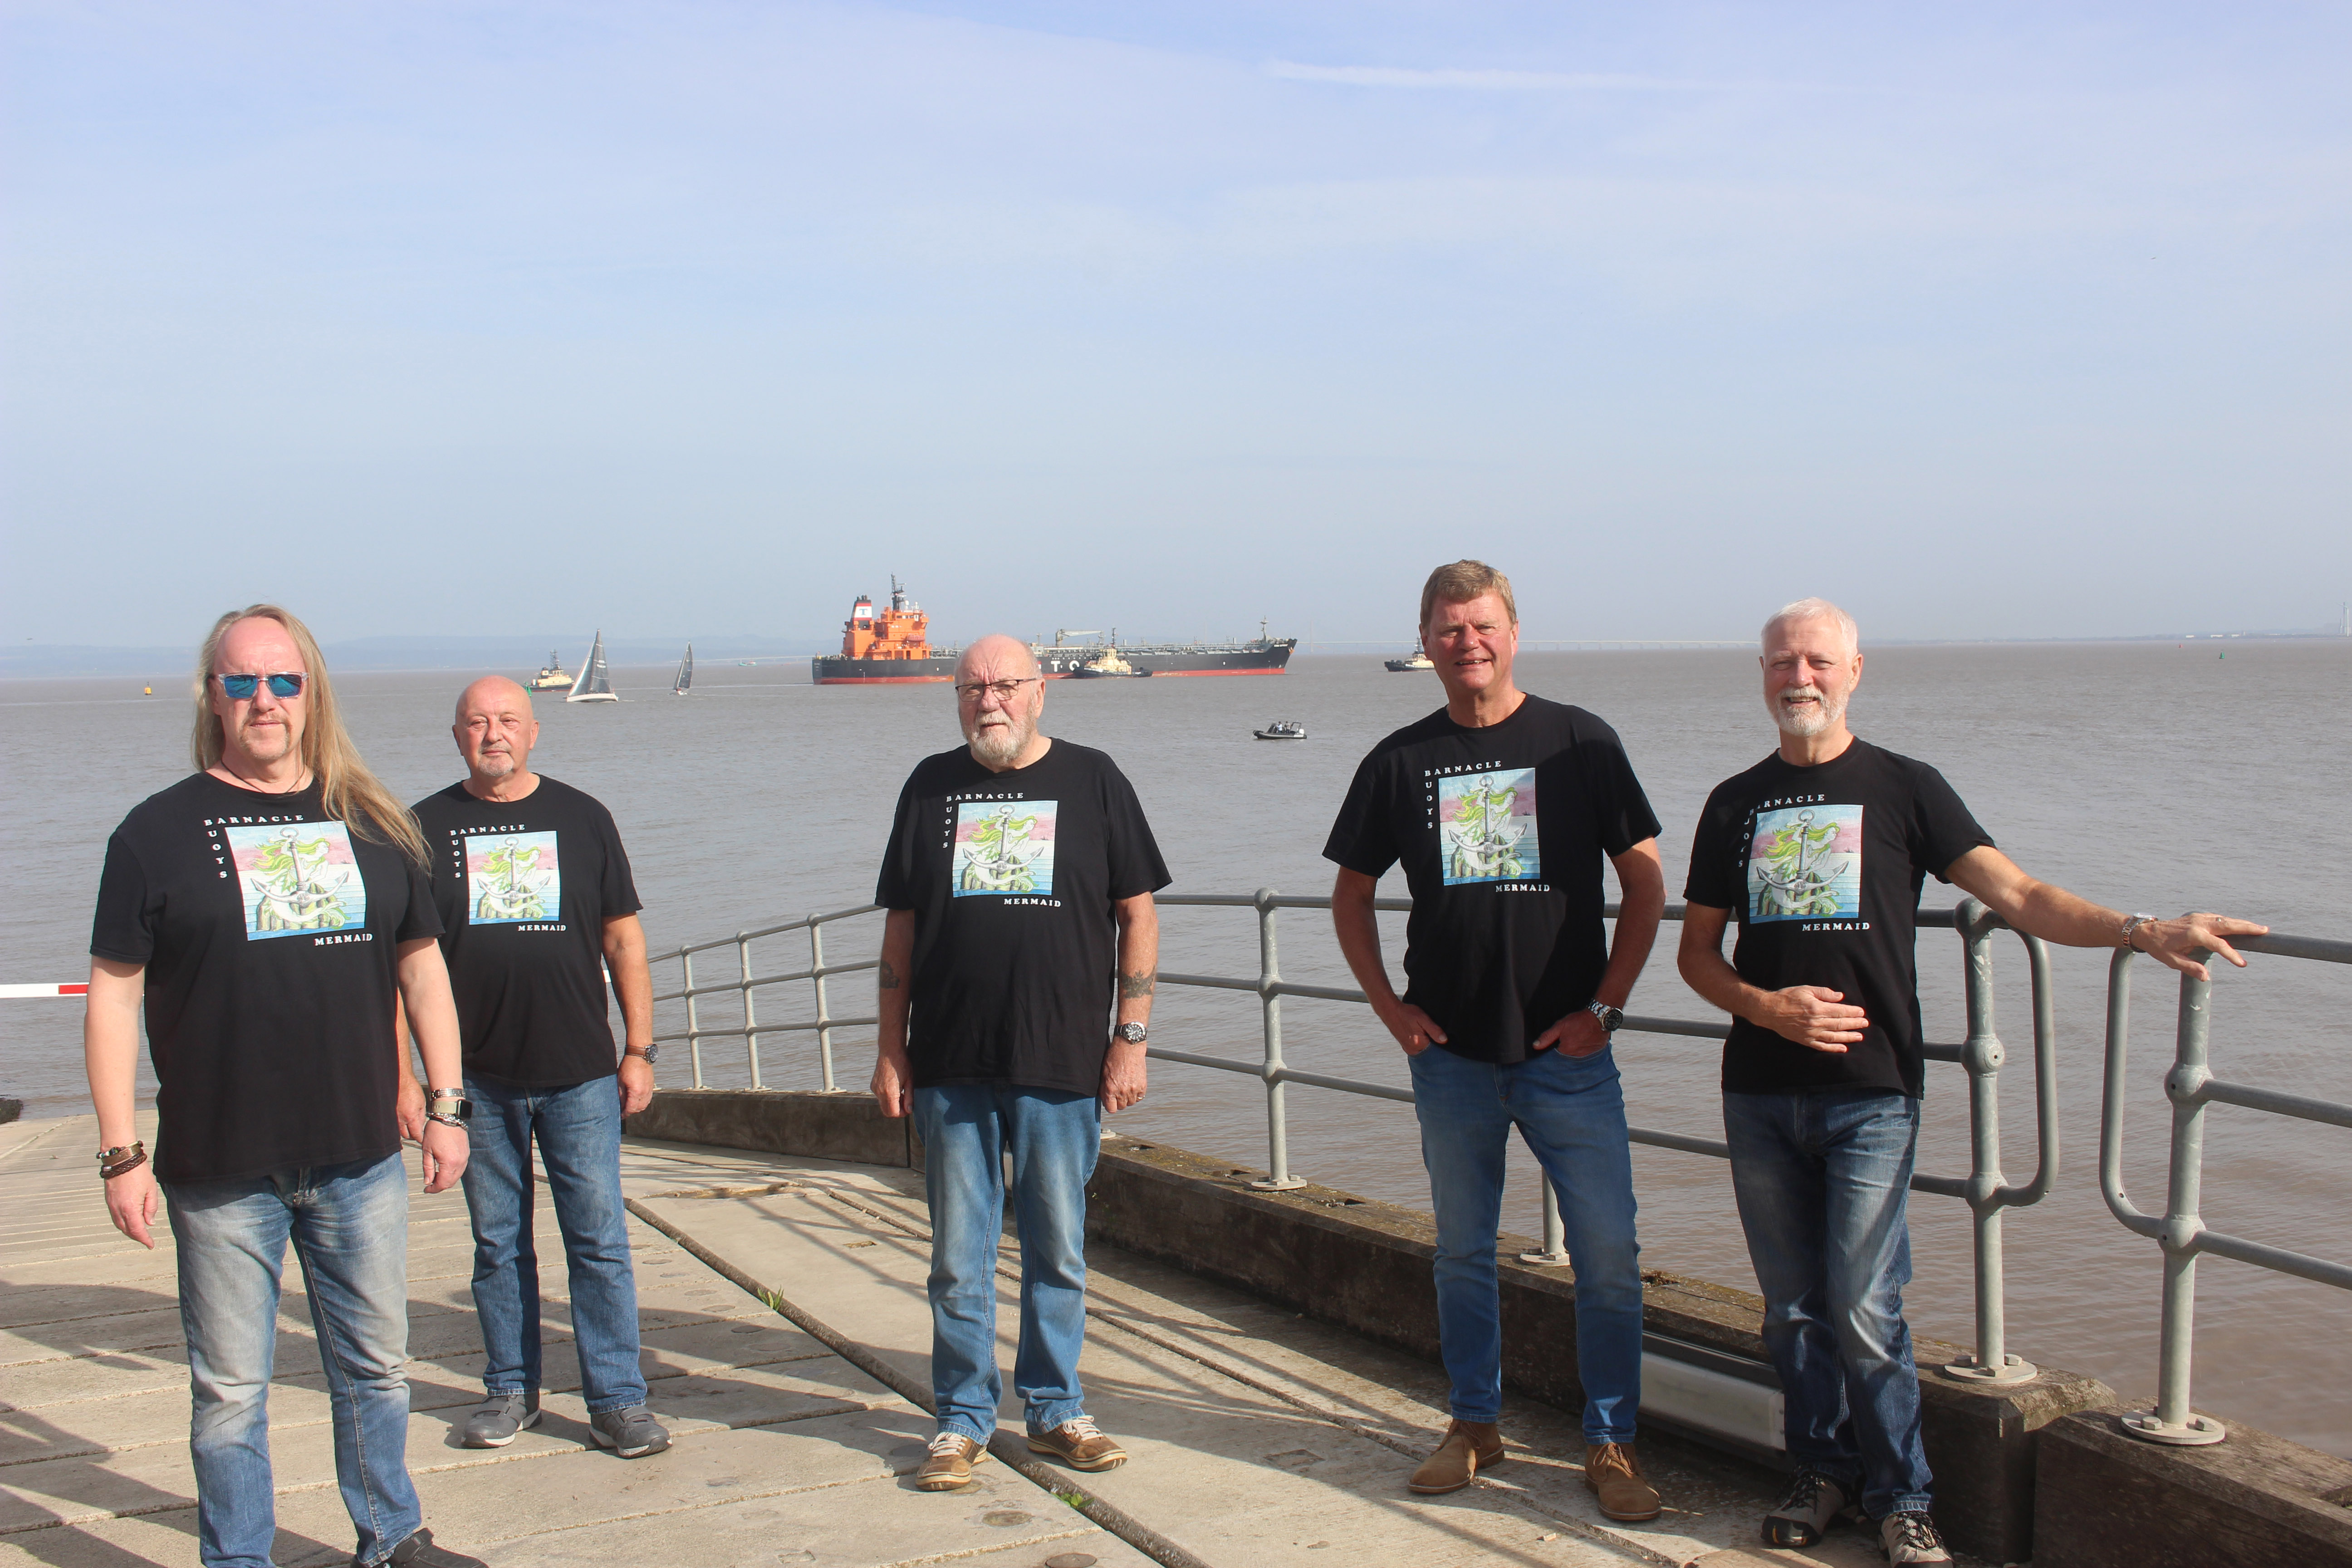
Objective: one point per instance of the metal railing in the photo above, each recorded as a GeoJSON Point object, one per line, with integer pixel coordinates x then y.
{"type": "Point", "coordinates": [1986, 1190]}
{"type": "Point", "coordinates": [2191, 1086]}
{"type": "Point", "coordinates": [746, 983]}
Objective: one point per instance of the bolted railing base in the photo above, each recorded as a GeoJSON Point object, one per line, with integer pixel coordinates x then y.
{"type": "Point", "coordinates": [2012, 1369]}
{"type": "Point", "coordinates": [2194, 1433]}
{"type": "Point", "coordinates": [1279, 1183]}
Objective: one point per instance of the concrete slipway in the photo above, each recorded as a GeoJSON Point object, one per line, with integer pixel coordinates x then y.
{"type": "Point", "coordinates": [786, 1344]}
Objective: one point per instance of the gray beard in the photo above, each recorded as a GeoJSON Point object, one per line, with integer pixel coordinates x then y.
{"type": "Point", "coordinates": [999, 745]}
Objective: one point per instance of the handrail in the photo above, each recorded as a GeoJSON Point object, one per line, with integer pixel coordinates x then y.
{"type": "Point", "coordinates": [2181, 1231]}
{"type": "Point", "coordinates": [1985, 1189]}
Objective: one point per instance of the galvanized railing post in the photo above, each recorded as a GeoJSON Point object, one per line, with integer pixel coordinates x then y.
{"type": "Point", "coordinates": [2172, 1422]}
{"type": "Point", "coordinates": [1269, 980]}
{"type": "Point", "coordinates": [1981, 1054]}
{"type": "Point", "coordinates": [824, 1018]}
{"type": "Point", "coordinates": [1555, 1233]}
{"type": "Point", "coordinates": [693, 1018]}
{"type": "Point", "coordinates": [750, 1023]}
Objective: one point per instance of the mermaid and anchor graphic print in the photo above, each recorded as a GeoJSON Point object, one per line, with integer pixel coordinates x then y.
{"type": "Point", "coordinates": [511, 877]}
{"type": "Point", "coordinates": [1486, 826]}
{"type": "Point", "coordinates": [1804, 862]}
{"type": "Point", "coordinates": [297, 878]}
{"type": "Point", "coordinates": [1004, 847]}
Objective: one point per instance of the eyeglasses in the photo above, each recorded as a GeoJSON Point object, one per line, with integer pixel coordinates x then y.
{"type": "Point", "coordinates": [241, 687]}
{"type": "Point", "coordinates": [1003, 690]}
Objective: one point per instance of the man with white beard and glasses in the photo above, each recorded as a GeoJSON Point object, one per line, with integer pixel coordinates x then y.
{"type": "Point", "coordinates": [1018, 881]}
{"type": "Point", "coordinates": [269, 911]}
{"type": "Point", "coordinates": [1822, 849]}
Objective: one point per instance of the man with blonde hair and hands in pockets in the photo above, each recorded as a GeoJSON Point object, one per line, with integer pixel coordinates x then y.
{"type": "Point", "coordinates": [1822, 849]}
{"type": "Point", "coordinates": [1019, 880]}
{"type": "Point", "coordinates": [1502, 807]}
{"type": "Point", "coordinates": [267, 909]}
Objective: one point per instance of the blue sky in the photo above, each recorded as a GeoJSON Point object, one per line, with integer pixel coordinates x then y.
{"type": "Point", "coordinates": [698, 319]}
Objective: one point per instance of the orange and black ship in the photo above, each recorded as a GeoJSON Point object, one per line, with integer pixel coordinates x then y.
{"type": "Point", "coordinates": [892, 646]}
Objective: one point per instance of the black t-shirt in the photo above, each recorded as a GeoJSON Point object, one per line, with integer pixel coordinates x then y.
{"type": "Point", "coordinates": [524, 888]}
{"type": "Point", "coordinates": [1011, 877]}
{"type": "Point", "coordinates": [1502, 831]}
{"type": "Point", "coordinates": [1825, 866]}
{"type": "Point", "coordinates": [270, 933]}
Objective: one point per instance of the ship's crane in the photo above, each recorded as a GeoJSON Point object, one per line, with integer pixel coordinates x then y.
{"type": "Point", "coordinates": [1062, 632]}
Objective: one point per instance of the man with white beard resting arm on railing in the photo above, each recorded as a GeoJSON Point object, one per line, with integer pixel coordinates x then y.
{"type": "Point", "coordinates": [1502, 806]}
{"type": "Point", "coordinates": [1823, 847]}
{"type": "Point", "coordinates": [1019, 880]}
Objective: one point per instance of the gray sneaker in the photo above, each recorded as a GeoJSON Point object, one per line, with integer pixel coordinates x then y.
{"type": "Point", "coordinates": [631, 1432]}
{"type": "Point", "coordinates": [1909, 1537]}
{"type": "Point", "coordinates": [1812, 1505]}
{"type": "Point", "coordinates": [497, 1420]}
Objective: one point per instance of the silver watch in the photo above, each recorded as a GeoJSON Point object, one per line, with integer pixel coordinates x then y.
{"type": "Point", "coordinates": [2131, 928]}
{"type": "Point", "coordinates": [1611, 1018]}
{"type": "Point", "coordinates": [1131, 1032]}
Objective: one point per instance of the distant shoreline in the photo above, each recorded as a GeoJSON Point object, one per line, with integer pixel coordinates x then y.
{"type": "Point", "coordinates": [91, 663]}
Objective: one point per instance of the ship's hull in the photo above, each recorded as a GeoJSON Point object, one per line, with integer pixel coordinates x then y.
{"type": "Point", "coordinates": [1057, 664]}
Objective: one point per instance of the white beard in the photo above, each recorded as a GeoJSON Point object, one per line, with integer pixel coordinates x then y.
{"type": "Point", "coordinates": [1805, 721]}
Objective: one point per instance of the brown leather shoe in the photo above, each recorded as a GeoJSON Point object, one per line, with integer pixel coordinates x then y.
{"type": "Point", "coordinates": [1079, 1443]}
{"type": "Point", "coordinates": [949, 1462]}
{"type": "Point", "coordinates": [1614, 1476]}
{"type": "Point", "coordinates": [1469, 1447]}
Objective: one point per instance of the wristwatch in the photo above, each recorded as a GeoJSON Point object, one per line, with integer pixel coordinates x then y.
{"type": "Point", "coordinates": [2131, 929]}
{"type": "Point", "coordinates": [1611, 1018]}
{"type": "Point", "coordinates": [652, 1053]}
{"type": "Point", "coordinates": [1131, 1032]}
{"type": "Point", "coordinates": [451, 1108]}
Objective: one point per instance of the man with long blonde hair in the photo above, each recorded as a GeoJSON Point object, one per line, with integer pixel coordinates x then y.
{"type": "Point", "coordinates": [267, 910]}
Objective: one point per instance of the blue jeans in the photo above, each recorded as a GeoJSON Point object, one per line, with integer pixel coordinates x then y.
{"type": "Point", "coordinates": [348, 1225]}
{"type": "Point", "coordinates": [1570, 1112]}
{"type": "Point", "coordinates": [579, 1134]}
{"type": "Point", "coordinates": [1824, 1182]}
{"type": "Point", "coordinates": [1053, 1137]}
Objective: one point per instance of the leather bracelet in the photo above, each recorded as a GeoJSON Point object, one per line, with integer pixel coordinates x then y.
{"type": "Point", "coordinates": [122, 1167]}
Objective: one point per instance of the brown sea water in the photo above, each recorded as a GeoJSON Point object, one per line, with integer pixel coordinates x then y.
{"type": "Point", "coordinates": [2148, 777]}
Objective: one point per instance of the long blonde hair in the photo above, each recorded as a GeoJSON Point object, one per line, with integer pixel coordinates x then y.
{"type": "Point", "coordinates": [352, 794]}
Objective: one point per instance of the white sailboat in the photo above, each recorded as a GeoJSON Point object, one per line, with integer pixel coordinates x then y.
{"type": "Point", "coordinates": [595, 682]}
{"type": "Point", "coordinates": [685, 682]}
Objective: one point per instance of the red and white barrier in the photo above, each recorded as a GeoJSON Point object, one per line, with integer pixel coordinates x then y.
{"type": "Point", "coordinates": [77, 989]}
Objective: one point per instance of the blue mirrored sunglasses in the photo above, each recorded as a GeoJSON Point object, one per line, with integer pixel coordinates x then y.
{"type": "Point", "coordinates": [241, 687]}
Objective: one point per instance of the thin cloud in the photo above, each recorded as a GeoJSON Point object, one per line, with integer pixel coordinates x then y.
{"type": "Point", "coordinates": [1490, 81]}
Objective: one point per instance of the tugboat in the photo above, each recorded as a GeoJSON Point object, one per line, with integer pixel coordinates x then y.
{"type": "Point", "coordinates": [1419, 661]}
{"type": "Point", "coordinates": [891, 649]}
{"type": "Point", "coordinates": [552, 678]}
{"type": "Point", "coordinates": [1282, 730]}
{"type": "Point", "coordinates": [1106, 663]}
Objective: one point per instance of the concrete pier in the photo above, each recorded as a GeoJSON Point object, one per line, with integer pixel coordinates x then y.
{"type": "Point", "coordinates": [786, 1344]}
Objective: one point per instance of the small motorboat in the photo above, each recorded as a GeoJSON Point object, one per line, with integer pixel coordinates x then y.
{"type": "Point", "coordinates": [1282, 730]}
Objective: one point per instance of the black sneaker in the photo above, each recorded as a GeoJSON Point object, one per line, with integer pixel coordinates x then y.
{"type": "Point", "coordinates": [418, 1552]}
{"type": "Point", "coordinates": [1805, 1514]}
{"type": "Point", "coordinates": [1909, 1537]}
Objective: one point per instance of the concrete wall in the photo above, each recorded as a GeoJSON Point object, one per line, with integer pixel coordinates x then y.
{"type": "Point", "coordinates": [1365, 1266]}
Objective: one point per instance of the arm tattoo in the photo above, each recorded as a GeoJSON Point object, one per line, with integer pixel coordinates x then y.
{"type": "Point", "coordinates": [888, 977]}
{"type": "Point", "coordinates": [1140, 983]}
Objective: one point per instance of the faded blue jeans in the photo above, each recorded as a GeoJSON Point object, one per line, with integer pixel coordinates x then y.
{"type": "Point", "coordinates": [1570, 1112]}
{"type": "Point", "coordinates": [579, 1134]}
{"type": "Point", "coordinates": [1823, 1182]}
{"type": "Point", "coordinates": [348, 1225]}
{"type": "Point", "coordinates": [1053, 1137]}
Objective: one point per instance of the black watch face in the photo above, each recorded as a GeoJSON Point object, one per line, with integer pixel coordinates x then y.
{"type": "Point", "coordinates": [651, 1053]}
